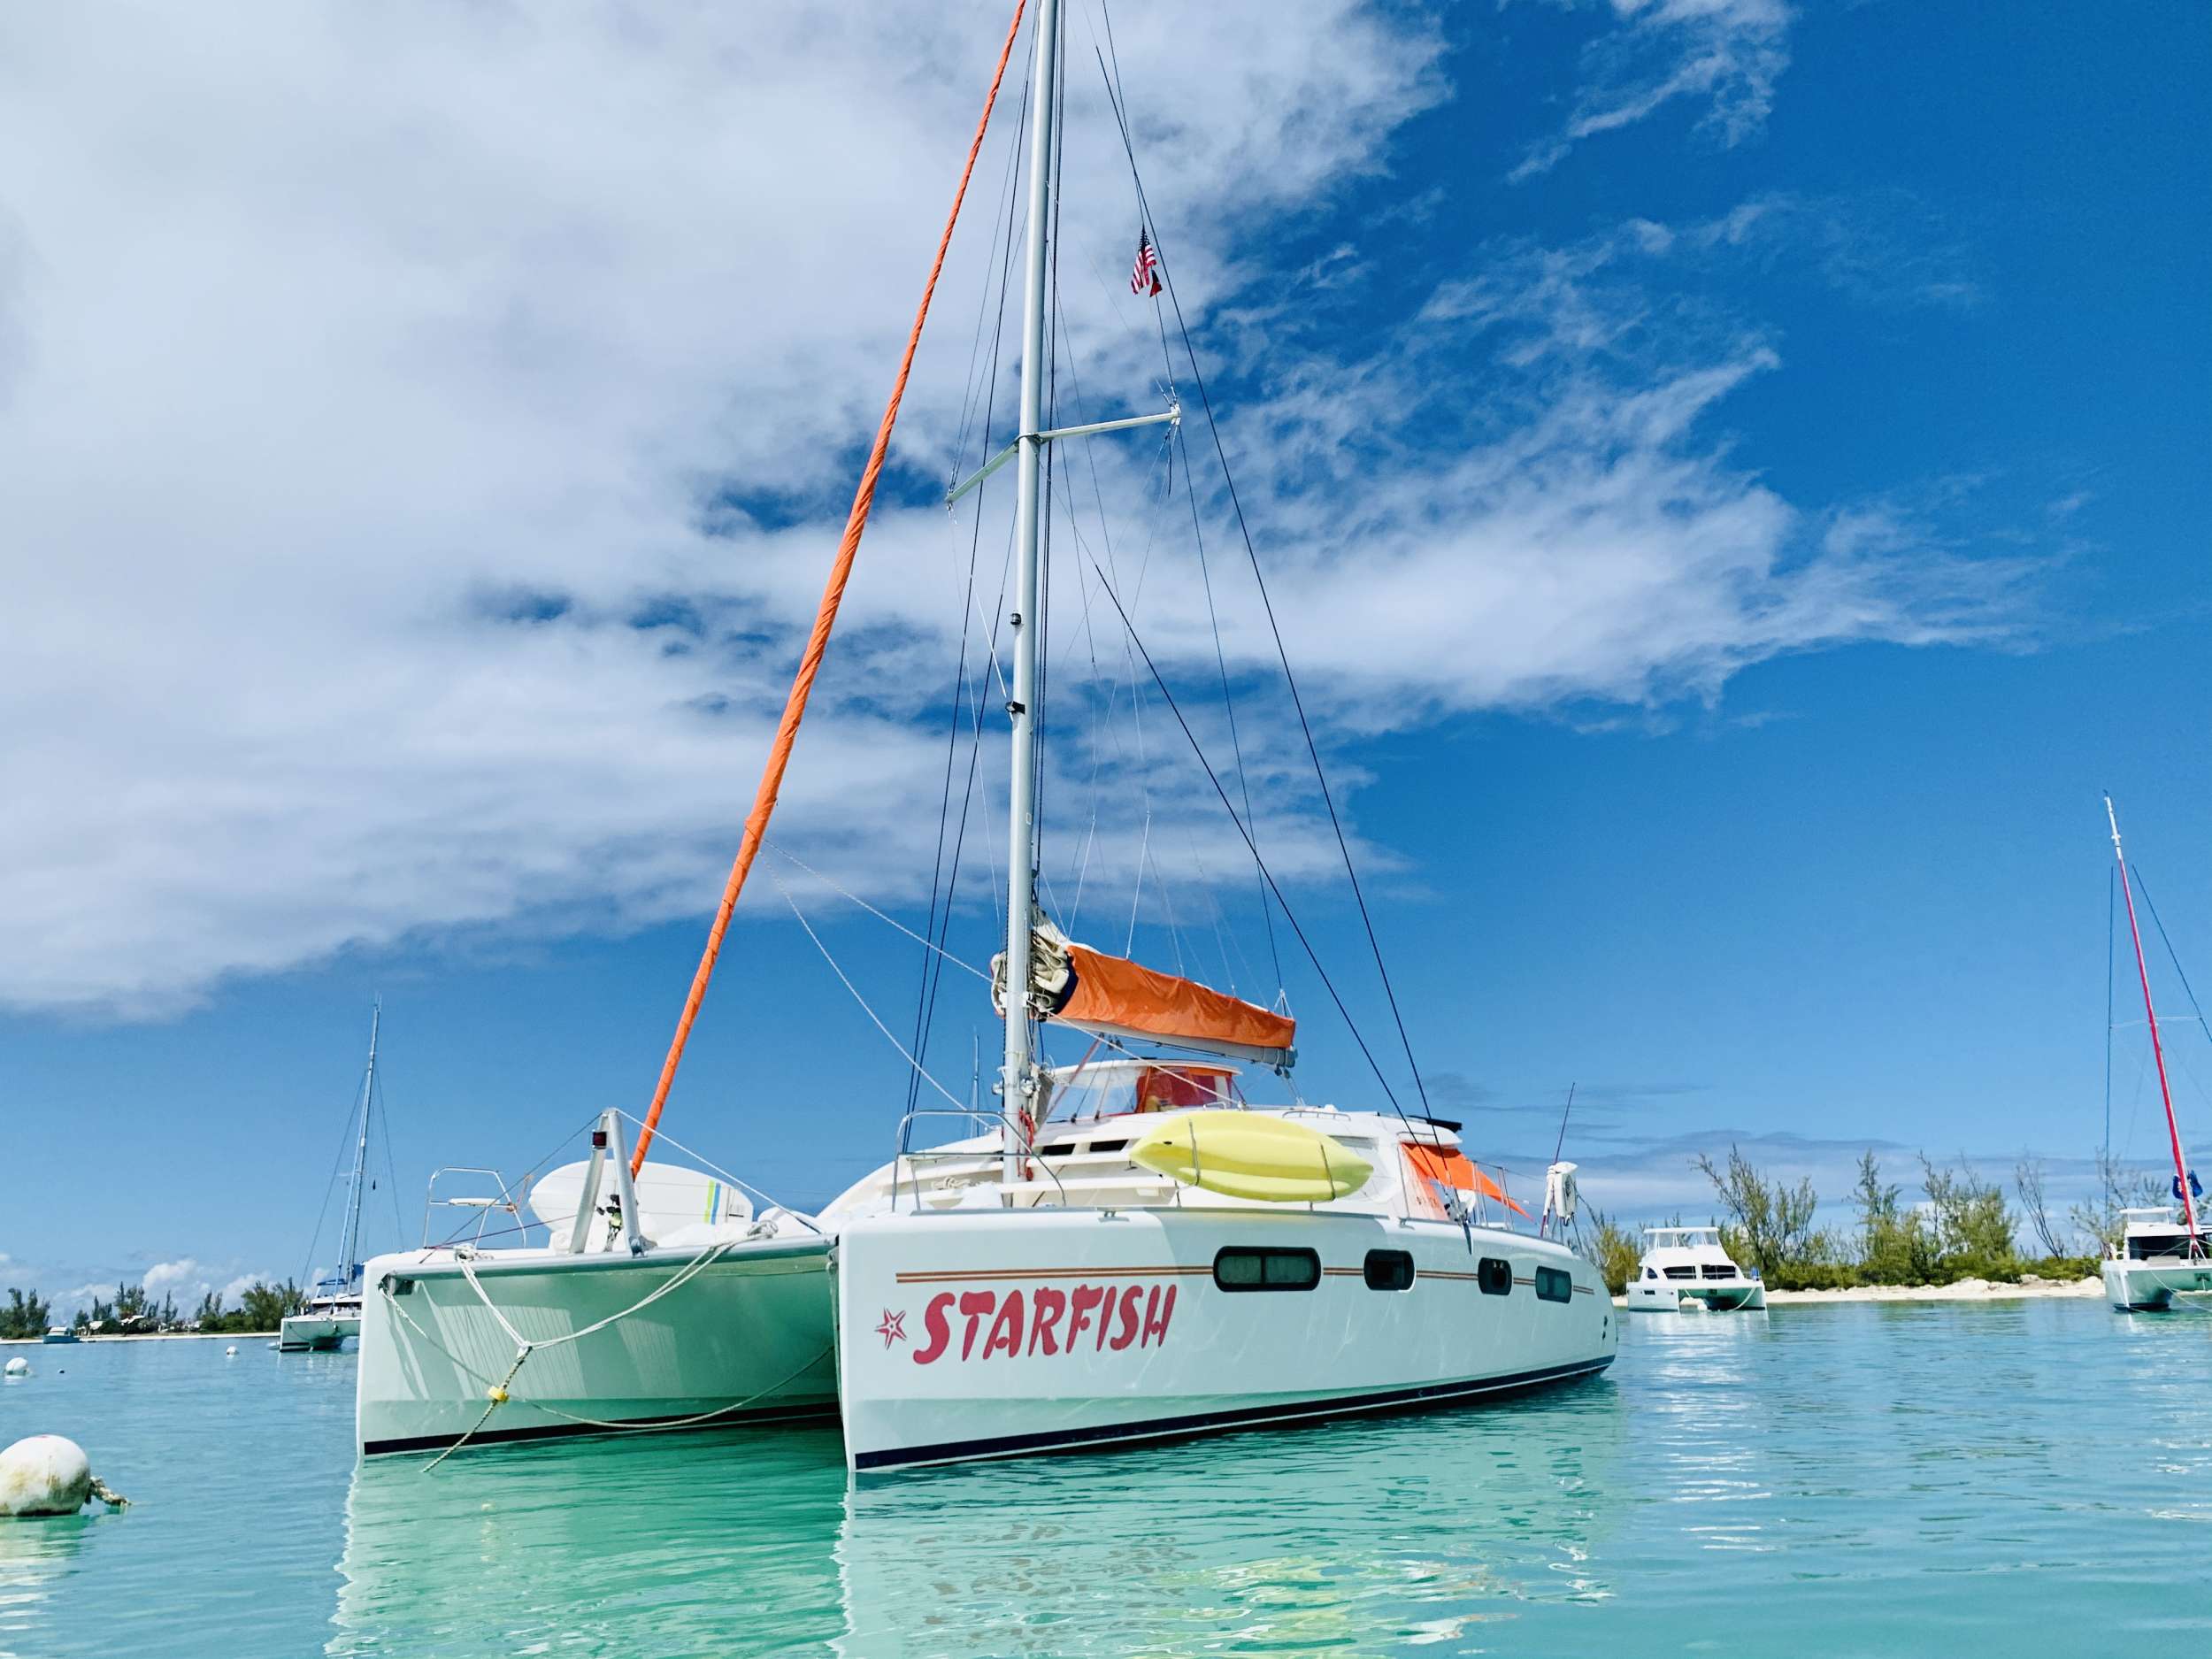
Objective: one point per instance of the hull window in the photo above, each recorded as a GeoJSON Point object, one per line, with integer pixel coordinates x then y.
{"type": "Point", "coordinates": [1495, 1276]}
{"type": "Point", "coordinates": [1389, 1269]}
{"type": "Point", "coordinates": [1552, 1285]}
{"type": "Point", "coordinates": [1244, 1267]}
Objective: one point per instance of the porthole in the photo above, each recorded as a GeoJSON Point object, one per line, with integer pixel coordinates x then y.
{"type": "Point", "coordinates": [1389, 1269]}
{"type": "Point", "coordinates": [1246, 1267]}
{"type": "Point", "coordinates": [1494, 1276]}
{"type": "Point", "coordinates": [1553, 1284]}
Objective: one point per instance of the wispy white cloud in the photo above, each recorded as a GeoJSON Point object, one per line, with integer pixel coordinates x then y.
{"type": "Point", "coordinates": [423, 472]}
{"type": "Point", "coordinates": [1726, 54]}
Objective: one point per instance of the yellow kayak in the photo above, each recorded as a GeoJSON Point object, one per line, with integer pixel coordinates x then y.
{"type": "Point", "coordinates": [1244, 1155]}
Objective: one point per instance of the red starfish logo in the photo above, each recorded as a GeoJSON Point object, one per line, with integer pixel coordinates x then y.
{"type": "Point", "coordinates": [893, 1329]}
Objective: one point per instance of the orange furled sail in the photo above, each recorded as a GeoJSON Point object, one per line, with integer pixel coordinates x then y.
{"type": "Point", "coordinates": [1115, 997]}
{"type": "Point", "coordinates": [818, 641]}
{"type": "Point", "coordinates": [1452, 1167]}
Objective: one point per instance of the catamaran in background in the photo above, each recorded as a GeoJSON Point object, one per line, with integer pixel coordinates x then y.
{"type": "Point", "coordinates": [2159, 1255]}
{"type": "Point", "coordinates": [1687, 1270]}
{"type": "Point", "coordinates": [332, 1312]}
{"type": "Point", "coordinates": [1124, 1247]}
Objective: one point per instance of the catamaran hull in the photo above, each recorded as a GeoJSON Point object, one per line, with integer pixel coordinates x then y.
{"type": "Point", "coordinates": [2149, 1285]}
{"type": "Point", "coordinates": [1675, 1298]}
{"type": "Point", "coordinates": [316, 1333]}
{"type": "Point", "coordinates": [748, 1337]}
{"type": "Point", "coordinates": [977, 1333]}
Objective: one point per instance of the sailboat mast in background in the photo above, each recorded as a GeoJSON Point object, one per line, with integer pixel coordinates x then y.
{"type": "Point", "coordinates": [2158, 1050]}
{"type": "Point", "coordinates": [349, 1254]}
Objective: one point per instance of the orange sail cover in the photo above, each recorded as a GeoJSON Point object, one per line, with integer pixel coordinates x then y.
{"type": "Point", "coordinates": [1115, 997]}
{"type": "Point", "coordinates": [1119, 997]}
{"type": "Point", "coordinates": [1451, 1166]}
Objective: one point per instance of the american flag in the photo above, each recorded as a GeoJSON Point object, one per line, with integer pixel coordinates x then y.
{"type": "Point", "coordinates": [1144, 281]}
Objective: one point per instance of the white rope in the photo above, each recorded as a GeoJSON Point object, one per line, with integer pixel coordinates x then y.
{"type": "Point", "coordinates": [569, 1416]}
{"type": "Point", "coordinates": [524, 1346]}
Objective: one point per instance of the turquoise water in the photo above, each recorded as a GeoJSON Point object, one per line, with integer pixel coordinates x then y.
{"type": "Point", "coordinates": [1841, 1480]}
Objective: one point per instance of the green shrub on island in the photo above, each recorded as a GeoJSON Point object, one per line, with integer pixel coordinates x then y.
{"type": "Point", "coordinates": [134, 1313]}
{"type": "Point", "coordinates": [1612, 1249]}
{"type": "Point", "coordinates": [1963, 1229]}
{"type": "Point", "coordinates": [27, 1315]}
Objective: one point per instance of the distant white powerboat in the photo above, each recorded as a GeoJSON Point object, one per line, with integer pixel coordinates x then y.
{"type": "Point", "coordinates": [1687, 1270]}
{"type": "Point", "coordinates": [332, 1312]}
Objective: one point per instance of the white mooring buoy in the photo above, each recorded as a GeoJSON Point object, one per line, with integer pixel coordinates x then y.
{"type": "Point", "coordinates": [18, 1367]}
{"type": "Point", "coordinates": [231, 1352]}
{"type": "Point", "coordinates": [47, 1474]}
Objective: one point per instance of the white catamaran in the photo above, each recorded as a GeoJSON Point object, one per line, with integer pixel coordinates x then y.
{"type": "Point", "coordinates": [2159, 1255]}
{"type": "Point", "coordinates": [1688, 1270]}
{"type": "Point", "coordinates": [332, 1311]}
{"type": "Point", "coordinates": [1126, 1248]}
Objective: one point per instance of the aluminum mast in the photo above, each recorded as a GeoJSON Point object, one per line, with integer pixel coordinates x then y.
{"type": "Point", "coordinates": [2158, 1050]}
{"type": "Point", "coordinates": [1018, 1084]}
{"type": "Point", "coordinates": [346, 1259]}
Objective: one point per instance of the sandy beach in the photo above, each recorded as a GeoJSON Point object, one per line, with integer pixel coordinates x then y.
{"type": "Point", "coordinates": [1964, 1290]}
{"type": "Point", "coordinates": [150, 1336]}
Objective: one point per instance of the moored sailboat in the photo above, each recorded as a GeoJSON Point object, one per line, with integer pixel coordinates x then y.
{"type": "Point", "coordinates": [2156, 1258]}
{"type": "Point", "coordinates": [332, 1309]}
{"type": "Point", "coordinates": [1021, 1314]}
{"type": "Point", "coordinates": [1120, 1250]}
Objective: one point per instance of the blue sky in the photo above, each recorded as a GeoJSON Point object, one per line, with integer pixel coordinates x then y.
{"type": "Point", "coordinates": [1731, 473]}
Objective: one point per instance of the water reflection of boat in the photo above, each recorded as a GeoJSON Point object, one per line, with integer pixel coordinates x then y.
{"type": "Point", "coordinates": [649, 1553]}
{"type": "Point", "coordinates": [1369, 1535]}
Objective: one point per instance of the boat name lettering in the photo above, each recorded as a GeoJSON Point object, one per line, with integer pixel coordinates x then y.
{"type": "Point", "coordinates": [1102, 1317]}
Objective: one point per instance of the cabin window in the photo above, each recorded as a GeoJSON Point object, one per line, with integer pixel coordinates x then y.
{"type": "Point", "coordinates": [1389, 1269]}
{"type": "Point", "coordinates": [1108, 1146]}
{"type": "Point", "coordinates": [1494, 1276]}
{"type": "Point", "coordinates": [1552, 1285]}
{"type": "Point", "coordinates": [1244, 1267]}
{"type": "Point", "coordinates": [1651, 1272]}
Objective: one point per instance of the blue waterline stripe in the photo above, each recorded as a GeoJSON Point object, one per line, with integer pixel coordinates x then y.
{"type": "Point", "coordinates": [1204, 1422]}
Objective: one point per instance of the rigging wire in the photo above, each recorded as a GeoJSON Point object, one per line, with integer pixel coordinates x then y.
{"type": "Point", "coordinates": [1229, 806]}
{"type": "Point", "coordinates": [842, 892]}
{"type": "Point", "coordinates": [850, 985]}
{"type": "Point", "coordinates": [1221, 662]}
{"type": "Point", "coordinates": [1259, 578]}
{"type": "Point", "coordinates": [315, 1243]}
{"type": "Point", "coordinates": [2151, 905]}
{"type": "Point", "coordinates": [926, 1000]}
